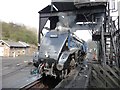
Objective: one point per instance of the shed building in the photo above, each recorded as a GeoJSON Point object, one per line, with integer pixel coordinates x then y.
{"type": "Point", "coordinates": [13, 49]}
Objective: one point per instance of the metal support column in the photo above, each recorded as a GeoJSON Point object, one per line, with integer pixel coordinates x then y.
{"type": "Point", "coordinates": [39, 32]}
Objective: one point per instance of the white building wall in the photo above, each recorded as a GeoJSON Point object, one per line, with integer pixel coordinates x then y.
{"type": "Point", "coordinates": [113, 9]}
{"type": "Point", "coordinates": [1, 51]}
{"type": "Point", "coordinates": [119, 11]}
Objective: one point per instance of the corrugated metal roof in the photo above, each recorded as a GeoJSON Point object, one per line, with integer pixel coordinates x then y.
{"type": "Point", "coordinates": [13, 44]}
{"type": "Point", "coordinates": [24, 43]}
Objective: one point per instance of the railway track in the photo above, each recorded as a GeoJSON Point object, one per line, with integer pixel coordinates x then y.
{"type": "Point", "coordinates": [51, 82]}
{"type": "Point", "coordinates": [43, 82]}
{"type": "Point", "coordinates": [31, 85]}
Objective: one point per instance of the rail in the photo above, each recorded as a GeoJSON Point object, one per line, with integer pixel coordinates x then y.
{"type": "Point", "coordinates": [30, 85]}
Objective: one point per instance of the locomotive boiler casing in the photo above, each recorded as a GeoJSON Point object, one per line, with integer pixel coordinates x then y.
{"type": "Point", "coordinates": [52, 44]}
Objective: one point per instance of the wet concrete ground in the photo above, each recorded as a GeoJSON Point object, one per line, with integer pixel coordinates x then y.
{"type": "Point", "coordinates": [16, 71]}
{"type": "Point", "coordinates": [10, 64]}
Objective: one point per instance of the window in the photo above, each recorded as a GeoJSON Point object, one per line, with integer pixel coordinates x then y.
{"type": "Point", "coordinates": [113, 4]}
{"type": "Point", "coordinates": [23, 52]}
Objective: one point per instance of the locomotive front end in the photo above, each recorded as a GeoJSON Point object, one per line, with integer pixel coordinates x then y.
{"type": "Point", "coordinates": [50, 50]}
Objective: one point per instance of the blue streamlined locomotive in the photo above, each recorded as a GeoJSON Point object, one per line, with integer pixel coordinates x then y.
{"type": "Point", "coordinates": [59, 52]}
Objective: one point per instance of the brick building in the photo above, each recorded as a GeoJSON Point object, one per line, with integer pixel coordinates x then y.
{"type": "Point", "coordinates": [13, 49]}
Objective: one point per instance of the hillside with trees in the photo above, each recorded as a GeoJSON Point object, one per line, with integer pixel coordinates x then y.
{"type": "Point", "coordinates": [15, 32]}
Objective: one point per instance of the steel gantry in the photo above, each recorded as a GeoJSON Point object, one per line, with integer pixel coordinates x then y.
{"type": "Point", "coordinates": [94, 16]}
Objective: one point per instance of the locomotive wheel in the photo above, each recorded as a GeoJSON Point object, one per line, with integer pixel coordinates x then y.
{"type": "Point", "coordinates": [72, 64]}
{"type": "Point", "coordinates": [64, 74]}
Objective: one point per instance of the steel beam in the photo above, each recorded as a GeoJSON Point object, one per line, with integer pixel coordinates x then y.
{"type": "Point", "coordinates": [82, 11]}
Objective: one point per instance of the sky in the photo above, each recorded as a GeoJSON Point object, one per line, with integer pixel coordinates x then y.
{"type": "Point", "coordinates": [22, 11]}
{"type": "Point", "coordinates": [26, 12]}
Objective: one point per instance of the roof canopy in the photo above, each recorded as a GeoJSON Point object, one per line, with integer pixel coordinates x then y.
{"type": "Point", "coordinates": [64, 5]}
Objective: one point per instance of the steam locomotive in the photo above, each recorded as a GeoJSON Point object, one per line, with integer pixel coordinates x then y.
{"type": "Point", "coordinates": [59, 52]}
